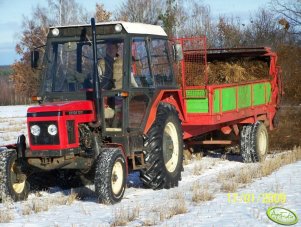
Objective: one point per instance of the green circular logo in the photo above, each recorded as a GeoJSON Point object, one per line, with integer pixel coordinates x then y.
{"type": "Point", "coordinates": [282, 216]}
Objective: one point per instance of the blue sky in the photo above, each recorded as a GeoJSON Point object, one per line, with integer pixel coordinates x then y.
{"type": "Point", "coordinates": [12, 12]}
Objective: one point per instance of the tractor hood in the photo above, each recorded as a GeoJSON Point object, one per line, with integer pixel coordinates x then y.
{"type": "Point", "coordinates": [61, 108]}
{"type": "Point", "coordinates": [54, 126]}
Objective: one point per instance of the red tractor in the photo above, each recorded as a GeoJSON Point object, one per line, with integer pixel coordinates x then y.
{"type": "Point", "coordinates": [110, 104]}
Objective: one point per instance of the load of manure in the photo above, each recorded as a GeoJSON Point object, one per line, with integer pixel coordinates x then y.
{"type": "Point", "coordinates": [224, 72]}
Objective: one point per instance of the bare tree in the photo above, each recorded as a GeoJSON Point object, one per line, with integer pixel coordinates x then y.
{"type": "Point", "coordinates": [197, 21]}
{"type": "Point", "coordinates": [263, 29]}
{"type": "Point", "coordinates": [168, 13]}
{"type": "Point", "coordinates": [102, 14]}
{"type": "Point", "coordinates": [289, 12]}
{"type": "Point", "coordinates": [144, 11]}
{"type": "Point", "coordinates": [35, 30]}
{"type": "Point", "coordinates": [228, 32]}
{"type": "Point", "coordinates": [66, 12]}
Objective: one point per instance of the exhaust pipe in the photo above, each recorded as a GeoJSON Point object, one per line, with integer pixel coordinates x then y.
{"type": "Point", "coordinates": [96, 84]}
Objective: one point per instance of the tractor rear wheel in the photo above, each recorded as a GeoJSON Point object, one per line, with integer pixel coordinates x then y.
{"type": "Point", "coordinates": [259, 142]}
{"type": "Point", "coordinates": [163, 150]}
{"type": "Point", "coordinates": [110, 176]}
{"type": "Point", "coordinates": [13, 183]}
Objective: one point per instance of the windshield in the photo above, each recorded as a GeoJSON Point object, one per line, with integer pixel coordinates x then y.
{"type": "Point", "coordinates": [70, 64]}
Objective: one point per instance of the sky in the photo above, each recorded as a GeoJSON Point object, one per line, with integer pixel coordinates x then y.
{"type": "Point", "coordinates": [13, 11]}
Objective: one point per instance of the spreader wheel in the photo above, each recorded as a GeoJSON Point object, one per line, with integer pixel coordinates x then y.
{"type": "Point", "coordinates": [110, 176]}
{"type": "Point", "coordinates": [13, 183]}
{"type": "Point", "coordinates": [259, 142]}
{"type": "Point", "coordinates": [245, 146]}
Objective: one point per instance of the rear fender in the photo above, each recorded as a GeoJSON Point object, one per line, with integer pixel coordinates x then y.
{"type": "Point", "coordinates": [172, 97]}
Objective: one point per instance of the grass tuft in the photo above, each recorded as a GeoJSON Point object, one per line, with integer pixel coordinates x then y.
{"type": "Point", "coordinates": [123, 216]}
{"type": "Point", "coordinates": [201, 193]}
{"type": "Point", "coordinates": [232, 180]}
{"type": "Point", "coordinates": [6, 215]}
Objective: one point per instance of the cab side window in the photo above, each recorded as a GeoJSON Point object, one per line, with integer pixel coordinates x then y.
{"type": "Point", "coordinates": [161, 62]}
{"type": "Point", "coordinates": [140, 71]}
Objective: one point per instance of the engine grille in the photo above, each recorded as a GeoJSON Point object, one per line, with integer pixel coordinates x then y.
{"type": "Point", "coordinates": [70, 131]}
{"type": "Point", "coordinates": [44, 138]}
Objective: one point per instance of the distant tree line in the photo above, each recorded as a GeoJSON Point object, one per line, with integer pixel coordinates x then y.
{"type": "Point", "coordinates": [277, 26]}
{"type": "Point", "coordinates": [5, 70]}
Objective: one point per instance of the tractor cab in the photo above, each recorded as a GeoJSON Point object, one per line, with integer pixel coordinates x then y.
{"type": "Point", "coordinates": [118, 71]}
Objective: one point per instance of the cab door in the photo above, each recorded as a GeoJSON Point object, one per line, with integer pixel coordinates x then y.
{"type": "Point", "coordinates": [112, 64]}
{"type": "Point", "coordinates": [141, 83]}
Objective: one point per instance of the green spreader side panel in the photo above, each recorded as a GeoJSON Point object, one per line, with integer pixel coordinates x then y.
{"type": "Point", "coordinates": [261, 93]}
{"type": "Point", "coordinates": [197, 101]}
{"type": "Point", "coordinates": [216, 101]}
{"type": "Point", "coordinates": [196, 94]}
{"type": "Point", "coordinates": [244, 96]}
{"type": "Point", "coordinates": [258, 94]}
{"type": "Point", "coordinates": [228, 98]}
{"type": "Point", "coordinates": [269, 92]}
{"type": "Point", "coordinates": [197, 105]}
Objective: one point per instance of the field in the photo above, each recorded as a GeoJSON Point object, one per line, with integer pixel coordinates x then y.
{"type": "Point", "coordinates": [216, 190]}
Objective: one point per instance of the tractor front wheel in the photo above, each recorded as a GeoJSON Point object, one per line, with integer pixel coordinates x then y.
{"type": "Point", "coordinates": [110, 176]}
{"type": "Point", "coordinates": [13, 183]}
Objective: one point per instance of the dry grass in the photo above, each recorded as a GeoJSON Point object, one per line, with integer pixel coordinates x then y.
{"type": "Point", "coordinates": [44, 204]}
{"type": "Point", "coordinates": [199, 156]}
{"type": "Point", "coordinates": [246, 175]}
{"type": "Point", "coordinates": [187, 157]}
{"type": "Point", "coordinates": [6, 215]}
{"type": "Point", "coordinates": [270, 165]}
{"type": "Point", "coordinates": [176, 205]}
{"type": "Point", "coordinates": [149, 222]}
{"type": "Point", "coordinates": [39, 205]}
{"type": "Point", "coordinates": [229, 186]}
{"type": "Point", "coordinates": [177, 195]}
{"type": "Point", "coordinates": [123, 216]}
{"type": "Point", "coordinates": [201, 193]}
{"type": "Point", "coordinates": [234, 179]}
{"type": "Point", "coordinates": [6, 212]}
{"type": "Point", "coordinates": [27, 209]}
{"type": "Point", "coordinates": [197, 169]}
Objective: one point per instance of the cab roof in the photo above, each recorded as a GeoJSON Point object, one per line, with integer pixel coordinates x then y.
{"type": "Point", "coordinates": [131, 28]}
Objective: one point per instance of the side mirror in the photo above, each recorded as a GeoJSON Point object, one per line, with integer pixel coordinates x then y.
{"type": "Point", "coordinates": [35, 55]}
{"type": "Point", "coordinates": [178, 52]}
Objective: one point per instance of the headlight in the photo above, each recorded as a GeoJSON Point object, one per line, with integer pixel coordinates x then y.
{"type": "Point", "coordinates": [35, 130]}
{"type": "Point", "coordinates": [118, 28]}
{"type": "Point", "coordinates": [55, 32]}
{"type": "Point", "coordinates": [52, 130]}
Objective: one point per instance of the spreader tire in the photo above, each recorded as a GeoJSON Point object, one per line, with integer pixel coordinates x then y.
{"type": "Point", "coordinates": [110, 176]}
{"type": "Point", "coordinates": [259, 143]}
{"type": "Point", "coordinates": [245, 145]}
{"type": "Point", "coordinates": [163, 150]}
{"type": "Point", "coordinates": [13, 183]}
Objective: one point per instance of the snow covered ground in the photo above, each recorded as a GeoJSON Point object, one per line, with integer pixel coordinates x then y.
{"type": "Point", "coordinates": [159, 208]}
{"type": "Point", "coordinates": [12, 123]}
{"type": "Point", "coordinates": [153, 207]}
